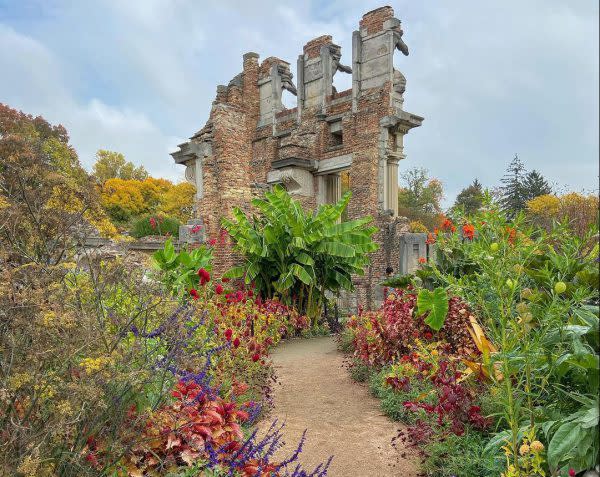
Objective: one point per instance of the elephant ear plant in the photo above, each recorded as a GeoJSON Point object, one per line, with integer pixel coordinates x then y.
{"type": "Point", "coordinates": [299, 255]}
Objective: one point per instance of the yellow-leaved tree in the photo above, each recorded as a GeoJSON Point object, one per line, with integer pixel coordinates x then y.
{"type": "Point", "coordinates": [580, 211]}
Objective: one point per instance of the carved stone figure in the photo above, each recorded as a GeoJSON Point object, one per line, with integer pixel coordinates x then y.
{"type": "Point", "coordinates": [336, 55]}
{"type": "Point", "coordinates": [399, 82]}
{"type": "Point", "coordinates": [286, 79]}
{"type": "Point", "coordinates": [398, 41]}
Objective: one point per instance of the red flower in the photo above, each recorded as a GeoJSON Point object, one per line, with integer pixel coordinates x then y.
{"type": "Point", "coordinates": [255, 357]}
{"type": "Point", "coordinates": [422, 260]}
{"type": "Point", "coordinates": [239, 295]}
{"type": "Point", "coordinates": [212, 242]}
{"type": "Point", "coordinates": [225, 280]}
{"type": "Point", "coordinates": [204, 276]}
{"type": "Point", "coordinates": [196, 229]}
{"type": "Point", "coordinates": [219, 289]}
{"type": "Point", "coordinates": [572, 472]}
{"type": "Point", "coordinates": [228, 334]}
{"type": "Point", "coordinates": [448, 226]}
{"type": "Point", "coordinates": [152, 222]}
{"type": "Point", "coordinates": [236, 343]}
{"type": "Point", "coordinates": [194, 294]}
{"type": "Point", "coordinates": [469, 231]}
{"type": "Point", "coordinates": [428, 335]}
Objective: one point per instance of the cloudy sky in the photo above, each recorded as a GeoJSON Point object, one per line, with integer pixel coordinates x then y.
{"type": "Point", "coordinates": [491, 78]}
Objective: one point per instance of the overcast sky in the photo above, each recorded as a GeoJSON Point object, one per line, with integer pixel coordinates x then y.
{"type": "Point", "coordinates": [491, 78]}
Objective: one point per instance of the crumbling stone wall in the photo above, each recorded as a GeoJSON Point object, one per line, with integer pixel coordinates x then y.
{"type": "Point", "coordinates": [251, 141]}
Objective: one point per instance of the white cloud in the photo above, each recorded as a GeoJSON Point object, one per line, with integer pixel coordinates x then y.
{"type": "Point", "coordinates": [491, 79]}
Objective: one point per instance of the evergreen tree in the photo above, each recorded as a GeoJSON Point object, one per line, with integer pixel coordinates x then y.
{"type": "Point", "coordinates": [535, 185]}
{"type": "Point", "coordinates": [470, 199]}
{"type": "Point", "coordinates": [513, 197]}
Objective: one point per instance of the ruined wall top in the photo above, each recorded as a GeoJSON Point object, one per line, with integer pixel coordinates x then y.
{"type": "Point", "coordinates": [373, 21]}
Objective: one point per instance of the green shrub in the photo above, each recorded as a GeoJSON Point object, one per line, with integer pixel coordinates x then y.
{"type": "Point", "coordinates": [155, 225]}
{"type": "Point", "coordinates": [392, 400]}
{"type": "Point", "coordinates": [459, 456]}
{"type": "Point", "coordinates": [359, 371]}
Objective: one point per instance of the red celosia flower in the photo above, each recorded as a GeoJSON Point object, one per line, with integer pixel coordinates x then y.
{"type": "Point", "coordinates": [428, 335]}
{"type": "Point", "coordinates": [255, 357]}
{"type": "Point", "coordinates": [219, 289]}
{"type": "Point", "coordinates": [212, 242]}
{"type": "Point", "coordinates": [228, 334]}
{"type": "Point", "coordinates": [194, 294]}
{"type": "Point", "coordinates": [204, 276]}
{"type": "Point", "coordinates": [422, 260]}
{"type": "Point", "coordinates": [572, 472]}
{"type": "Point", "coordinates": [239, 295]}
{"type": "Point", "coordinates": [236, 343]}
{"type": "Point", "coordinates": [152, 222]}
{"type": "Point", "coordinates": [469, 231]}
{"type": "Point", "coordinates": [225, 280]}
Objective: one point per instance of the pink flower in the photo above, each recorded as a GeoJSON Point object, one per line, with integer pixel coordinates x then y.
{"type": "Point", "coordinates": [152, 222]}
{"type": "Point", "coordinates": [212, 242]}
{"type": "Point", "coordinates": [572, 472]}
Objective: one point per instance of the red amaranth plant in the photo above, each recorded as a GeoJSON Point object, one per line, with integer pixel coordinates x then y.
{"type": "Point", "coordinates": [384, 336]}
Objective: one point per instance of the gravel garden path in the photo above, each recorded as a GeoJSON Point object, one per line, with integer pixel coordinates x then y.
{"type": "Point", "coordinates": [315, 392]}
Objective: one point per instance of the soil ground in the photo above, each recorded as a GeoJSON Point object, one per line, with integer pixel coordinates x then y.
{"type": "Point", "coordinates": [315, 392]}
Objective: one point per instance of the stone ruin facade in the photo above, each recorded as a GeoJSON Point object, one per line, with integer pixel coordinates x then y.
{"type": "Point", "coordinates": [331, 142]}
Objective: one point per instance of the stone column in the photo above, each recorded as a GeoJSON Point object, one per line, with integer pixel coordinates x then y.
{"type": "Point", "coordinates": [392, 185]}
{"type": "Point", "coordinates": [334, 188]}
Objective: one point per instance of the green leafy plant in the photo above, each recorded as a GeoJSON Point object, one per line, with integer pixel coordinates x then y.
{"type": "Point", "coordinates": [436, 303]}
{"type": "Point", "coordinates": [299, 255]}
{"type": "Point", "coordinates": [179, 270]}
{"type": "Point", "coordinates": [155, 225]}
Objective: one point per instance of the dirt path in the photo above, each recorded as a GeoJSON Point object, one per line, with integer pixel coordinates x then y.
{"type": "Point", "coordinates": [315, 392]}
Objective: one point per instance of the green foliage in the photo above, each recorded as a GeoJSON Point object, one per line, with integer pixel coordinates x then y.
{"type": "Point", "coordinates": [299, 255]}
{"type": "Point", "coordinates": [179, 270]}
{"type": "Point", "coordinates": [419, 197]}
{"type": "Point", "coordinates": [520, 186]}
{"type": "Point", "coordinates": [359, 371]}
{"type": "Point", "coordinates": [436, 303]}
{"type": "Point", "coordinates": [112, 165]}
{"type": "Point", "coordinates": [470, 199]}
{"type": "Point", "coordinates": [459, 456]}
{"type": "Point", "coordinates": [155, 225]}
{"type": "Point", "coordinates": [546, 337]}
{"type": "Point", "coordinates": [400, 281]}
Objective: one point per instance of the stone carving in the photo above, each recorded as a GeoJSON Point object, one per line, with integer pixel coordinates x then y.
{"type": "Point", "coordinates": [336, 55]}
{"type": "Point", "coordinates": [399, 82]}
{"type": "Point", "coordinates": [190, 173]}
{"type": "Point", "coordinates": [286, 79]}
{"type": "Point", "coordinates": [398, 41]}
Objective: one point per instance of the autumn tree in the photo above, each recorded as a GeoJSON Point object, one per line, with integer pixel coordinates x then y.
{"type": "Point", "coordinates": [48, 200]}
{"type": "Point", "coordinates": [419, 197]}
{"type": "Point", "coordinates": [112, 165]}
{"type": "Point", "coordinates": [579, 211]}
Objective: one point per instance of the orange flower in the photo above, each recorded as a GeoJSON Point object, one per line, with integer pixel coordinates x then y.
{"type": "Point", "coordinates": [448, 226]}
{"type": "Point", "coordinates": [512, 235]}
{"type": "Point", "coordinates": [422, 260]}
{"type": "Point", "coordinates": [468, 231]}
{"type": "Point", "coordinates": [430, 239]}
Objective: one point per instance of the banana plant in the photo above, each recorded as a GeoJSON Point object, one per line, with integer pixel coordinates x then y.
{"type": "Point", "coordinates": [299, 255]}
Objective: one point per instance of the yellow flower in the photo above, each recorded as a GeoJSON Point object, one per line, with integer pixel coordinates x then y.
{"type": "Point", "coordinates": [537, 447]}
{"type": "Point", "coordinates": [91, 365]}
{"type": "Point", "coordinates": [524, 449]}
